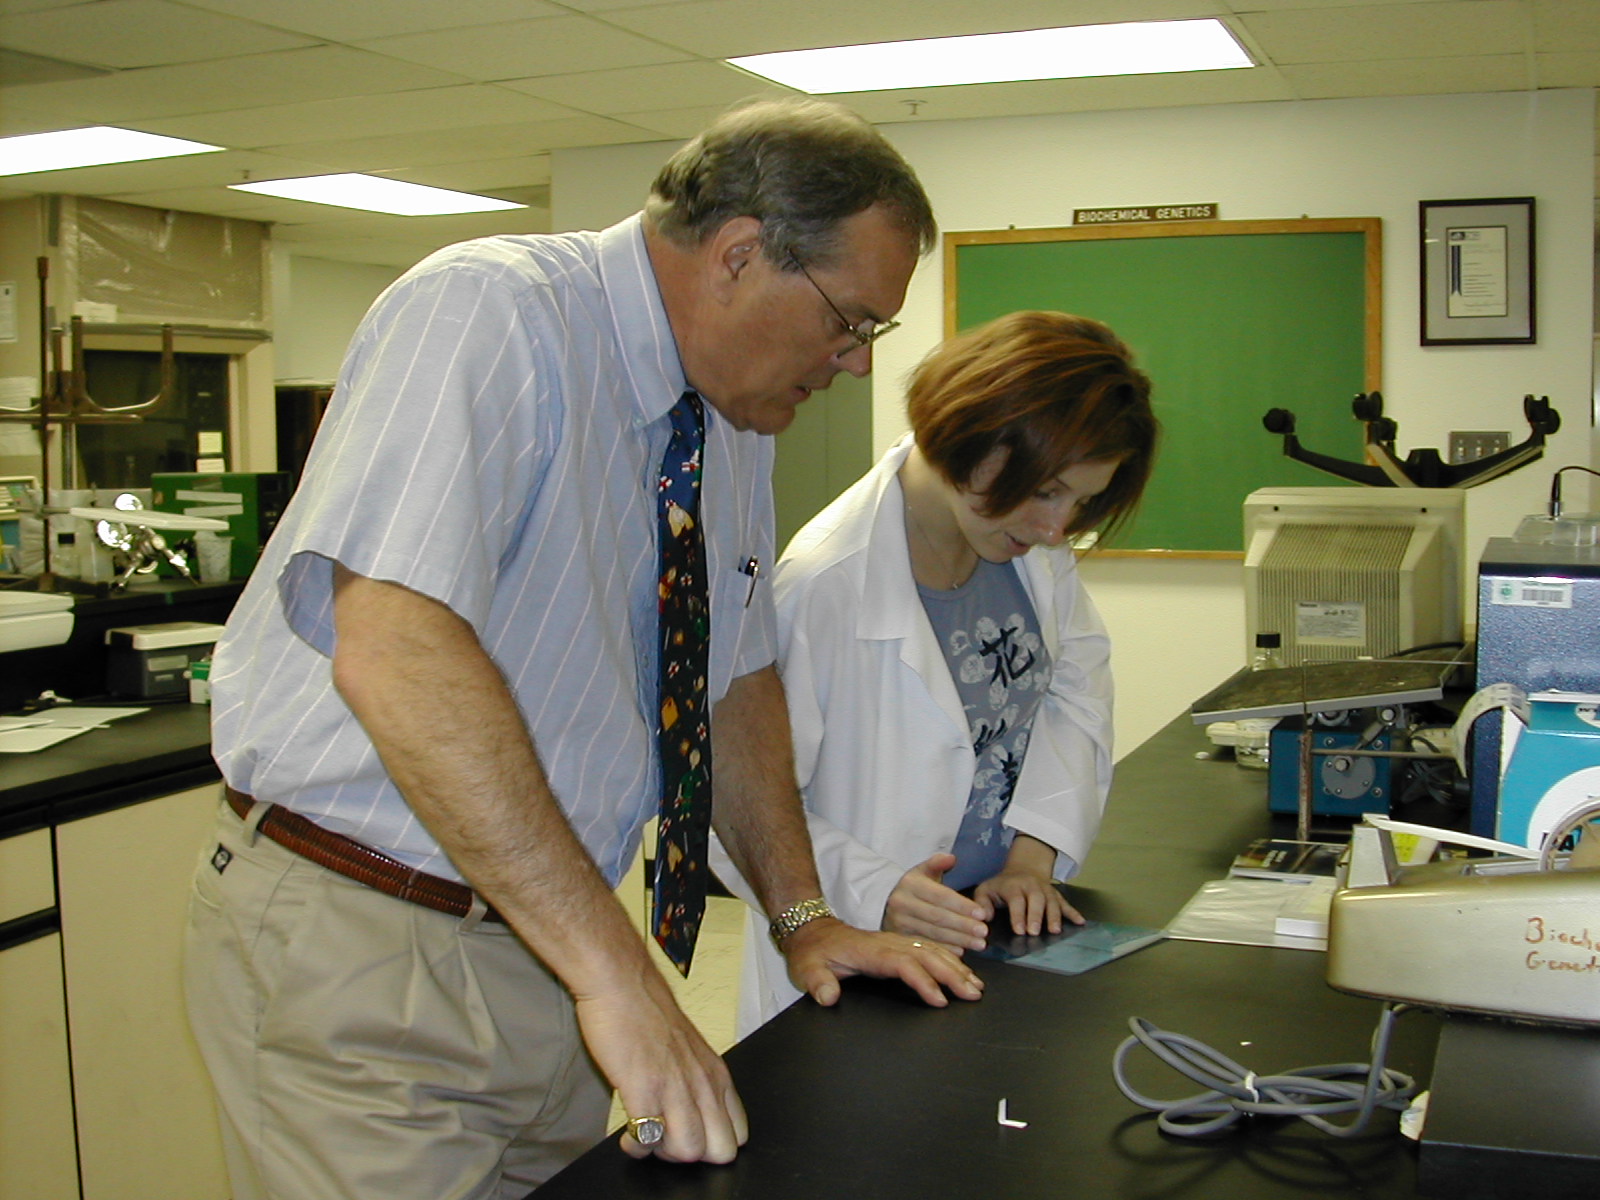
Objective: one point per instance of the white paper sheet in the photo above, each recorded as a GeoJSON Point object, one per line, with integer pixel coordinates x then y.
{"type": "Point", "coordinates": [36, 737]}
{"type": "Point", "coordinates": [1245, 912]}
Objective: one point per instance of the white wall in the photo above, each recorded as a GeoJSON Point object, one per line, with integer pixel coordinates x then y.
{"type": "Point", "coordinates": [596, 186]}
{"type": "Point", "coordinates": [317, 305]}
{"type": "Point", "coordinates": [1178, 625]}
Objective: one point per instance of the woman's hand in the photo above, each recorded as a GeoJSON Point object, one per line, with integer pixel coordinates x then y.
{"type": "Point", "coordinates": [922, 907]}
{"type": "Point", "coordinates": [1024, 887]}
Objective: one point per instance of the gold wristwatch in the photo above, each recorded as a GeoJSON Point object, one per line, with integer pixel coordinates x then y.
{"type": "Point", "coordinates": [796, 915]}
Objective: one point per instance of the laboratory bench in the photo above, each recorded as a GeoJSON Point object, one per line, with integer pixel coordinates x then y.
{"type": "Point", "coordinates": [102, 1093]}
{"type": "Point", "coordinates": [77, 668]}
{"type": "Point", "coordinates": [883, 1097]}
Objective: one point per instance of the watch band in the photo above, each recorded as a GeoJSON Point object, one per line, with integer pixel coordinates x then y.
{"type": "Point", "coordinates": [796, 915]}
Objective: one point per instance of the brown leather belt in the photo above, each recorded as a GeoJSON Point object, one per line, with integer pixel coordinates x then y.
{"type": "Point", "coordinates": [348, 857]}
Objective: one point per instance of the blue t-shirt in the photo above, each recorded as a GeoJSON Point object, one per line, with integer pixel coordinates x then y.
{"type": "Point", "coordinates": [997, 658]}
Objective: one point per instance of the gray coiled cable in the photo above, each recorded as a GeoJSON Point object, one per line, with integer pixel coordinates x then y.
{"type": "Point", "coordinates": [1311, 1093]}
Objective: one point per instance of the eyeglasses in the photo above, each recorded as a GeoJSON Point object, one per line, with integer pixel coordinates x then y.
{"type": "Point", "coordinates": [867, 332]}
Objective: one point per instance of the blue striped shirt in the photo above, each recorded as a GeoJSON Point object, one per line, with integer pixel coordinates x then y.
{"type": "Point", "coordinates": [492, 444]}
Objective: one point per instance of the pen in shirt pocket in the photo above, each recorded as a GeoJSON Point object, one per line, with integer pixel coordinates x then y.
{"type": "Point", "coordinates": [752, 568]}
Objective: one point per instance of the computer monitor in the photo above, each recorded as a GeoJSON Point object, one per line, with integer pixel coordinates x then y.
{"type": "Point", "coordinates": [14, 490]}
{"type": "Point", "coordinates": [1350, 572]}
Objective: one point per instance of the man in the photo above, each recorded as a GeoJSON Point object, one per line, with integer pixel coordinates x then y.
{"type": "Point", "coordinates": [448, 656]}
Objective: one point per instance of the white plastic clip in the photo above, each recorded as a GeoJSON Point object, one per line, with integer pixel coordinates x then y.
{"type": "Point", "coordinates": [1007, 1121]}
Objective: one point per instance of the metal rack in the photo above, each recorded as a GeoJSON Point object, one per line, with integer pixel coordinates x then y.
{"type": "Point", "coordinates": [65, 402]}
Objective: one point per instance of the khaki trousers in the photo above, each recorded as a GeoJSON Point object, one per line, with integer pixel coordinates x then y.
{"type": "Point", "coordinates": [365, 1047]}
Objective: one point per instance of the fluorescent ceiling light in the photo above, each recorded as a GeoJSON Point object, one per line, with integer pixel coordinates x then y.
{"type": "Point", "coordinates": [89, 147]}
{"type": "Point", "coordinates": [1134, 48]}
{"type": "Point", "coordinates": [372, 193]}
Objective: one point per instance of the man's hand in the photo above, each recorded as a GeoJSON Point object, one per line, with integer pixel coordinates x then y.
{"type": "Point", "coordinates": [663, 1068]}
{"type": "Point", "coordinates": [824, 951]}
{"type": "Point", "coordinates": [1024, 888]}
{"type": "Point", "coordinates": [921, 906]}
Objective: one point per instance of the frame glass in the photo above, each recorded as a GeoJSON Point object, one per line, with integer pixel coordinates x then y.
{"type": "Point", "coordinates": [1477, 272]}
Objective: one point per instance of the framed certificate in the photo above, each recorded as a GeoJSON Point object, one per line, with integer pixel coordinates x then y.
{"type": "Point", "coordinates": [1477, 271]}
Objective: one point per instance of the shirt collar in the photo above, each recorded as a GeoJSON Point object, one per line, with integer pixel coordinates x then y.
{"type": "Point", "coordinates": [885, 612]}
{"type": "Point", "coordinates": [639, 318]}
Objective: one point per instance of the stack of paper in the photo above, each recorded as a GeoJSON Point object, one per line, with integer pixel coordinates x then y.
{"type": "Point", "coordinates": [41, 730]}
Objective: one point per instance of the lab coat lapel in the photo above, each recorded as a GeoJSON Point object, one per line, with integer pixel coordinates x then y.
{"type": "Point", "coordinates": [890, 606]}
{"type": "Point", "coordinates": [1040, 585]}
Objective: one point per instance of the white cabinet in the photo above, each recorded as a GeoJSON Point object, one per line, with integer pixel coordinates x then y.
{"type": "Point", "coordinates": [37, 1154]}
{"type": "Point", "coordinates": [147, 1125]}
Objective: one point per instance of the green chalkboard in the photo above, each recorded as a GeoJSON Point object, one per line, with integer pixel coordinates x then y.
{"type": "Point", "coordinates": [1229, 319]}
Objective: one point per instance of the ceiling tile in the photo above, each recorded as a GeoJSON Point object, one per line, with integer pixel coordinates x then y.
{"type": "Point", "coordinates": [607, 6]}
{"type": "Point", "coordinates": [687, 84]}
{"type": "Point", "coordinates": [1251, 6]}
{"type": "Point", "coordinates": [362, 116]}
{"type": "Point", "coordinates": [408, 238]}
{"type": "Point", "coordinates": [675, 124]}
{"type": "Point", "coordinates": [550, 46]}
{"type": "Point", "coordinates": [219, 201]}
{"type": "Point", "coordinates": [474, 94]}
{"type": "Point", "coordinates": [1569, 70]}
{"type": "Point", "coordinates": [460, 226]}
{"type": "Point", "coordinates": [1068, 95]}
{"type": "Point", "coordinates": [1390, 31]}
{"type": "Point", "coordinates": [1566, 25]}
{"type": "Point", "coordinates": [1408, 77]}
{"type": "Point", "coordinates": [194, 170]}
{"type": "Point", "coordinates": [347, 21]}
{"type": "Point", "coordinates": [494, 176]}
{"type": "Point", "coordinates": [391, 155]}
{"type": "Point", "coordinates": [140, 33]}
{"type": "Point", "coordinates": [282, 77]}
{"type": "Point", "coordinates": [17, 68]}
{"type": "Point", "coordinates": [1014, 99]}
{"type": "Point", "coordinates": [9, 7]}
{"type": "Point", "coordinates": [720, 28]}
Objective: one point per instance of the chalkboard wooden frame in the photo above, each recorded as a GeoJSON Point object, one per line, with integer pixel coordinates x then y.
{"type": "Point", "coordinates": [1370, 284]}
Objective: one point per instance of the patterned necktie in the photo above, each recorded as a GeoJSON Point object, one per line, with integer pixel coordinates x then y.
{"type": "Point", "coordinates": [683, 737]}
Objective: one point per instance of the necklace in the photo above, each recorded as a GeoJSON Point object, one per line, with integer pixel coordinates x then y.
{"type": "Point", "coordinates": [956, 574]}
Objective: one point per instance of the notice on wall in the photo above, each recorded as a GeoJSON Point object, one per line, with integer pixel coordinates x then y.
{"type": "Point", "coordinates": [1478, 278]}
{"type": "Point", "coordinates": [1144, 212]}
{"type": "Point", "coordinates": [8, 310]}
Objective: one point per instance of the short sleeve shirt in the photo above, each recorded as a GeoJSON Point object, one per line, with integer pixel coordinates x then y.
{"type": "Point", "coordinates": [492, 444]}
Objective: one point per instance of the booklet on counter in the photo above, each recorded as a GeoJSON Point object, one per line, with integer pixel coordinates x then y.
{"type": "Point", "coordinates": [1076, 949]}
{"type": "Point", "coordinates": [1288, 861]}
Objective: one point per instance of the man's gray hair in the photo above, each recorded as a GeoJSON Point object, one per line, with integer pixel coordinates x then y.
{"type": "Point", "coordinates": [800, 167]}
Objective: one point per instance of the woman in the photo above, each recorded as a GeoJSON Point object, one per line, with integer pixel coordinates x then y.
{"type": "Point", "coordinates": [947, 675]}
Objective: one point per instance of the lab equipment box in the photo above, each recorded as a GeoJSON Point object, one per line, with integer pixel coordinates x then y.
{"type": "Point", "coordinates": [249, 501]}
{"type": "Point", "coordinates": [1538, 610]}
{"type": "Point", "coordinates": [147, 661]}
{"type": "Point", "coordinates": [1344, 782]}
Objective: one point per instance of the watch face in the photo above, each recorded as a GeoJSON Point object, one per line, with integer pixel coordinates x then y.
{"type": "Point", "coordinates": [647, 1131]}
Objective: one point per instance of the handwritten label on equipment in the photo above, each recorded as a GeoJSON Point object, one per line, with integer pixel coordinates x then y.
{"type": "Point", "coordinates": [1560, 949]}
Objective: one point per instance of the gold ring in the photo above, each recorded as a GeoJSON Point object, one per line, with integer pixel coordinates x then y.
{"type": "Point", "coordinates": [647, 1131]}
{"type": "Point", "coordinates": [918, 945]}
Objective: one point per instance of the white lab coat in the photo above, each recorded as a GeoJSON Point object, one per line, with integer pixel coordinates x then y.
{"type": "Point", "coordinates": [883, 752]}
